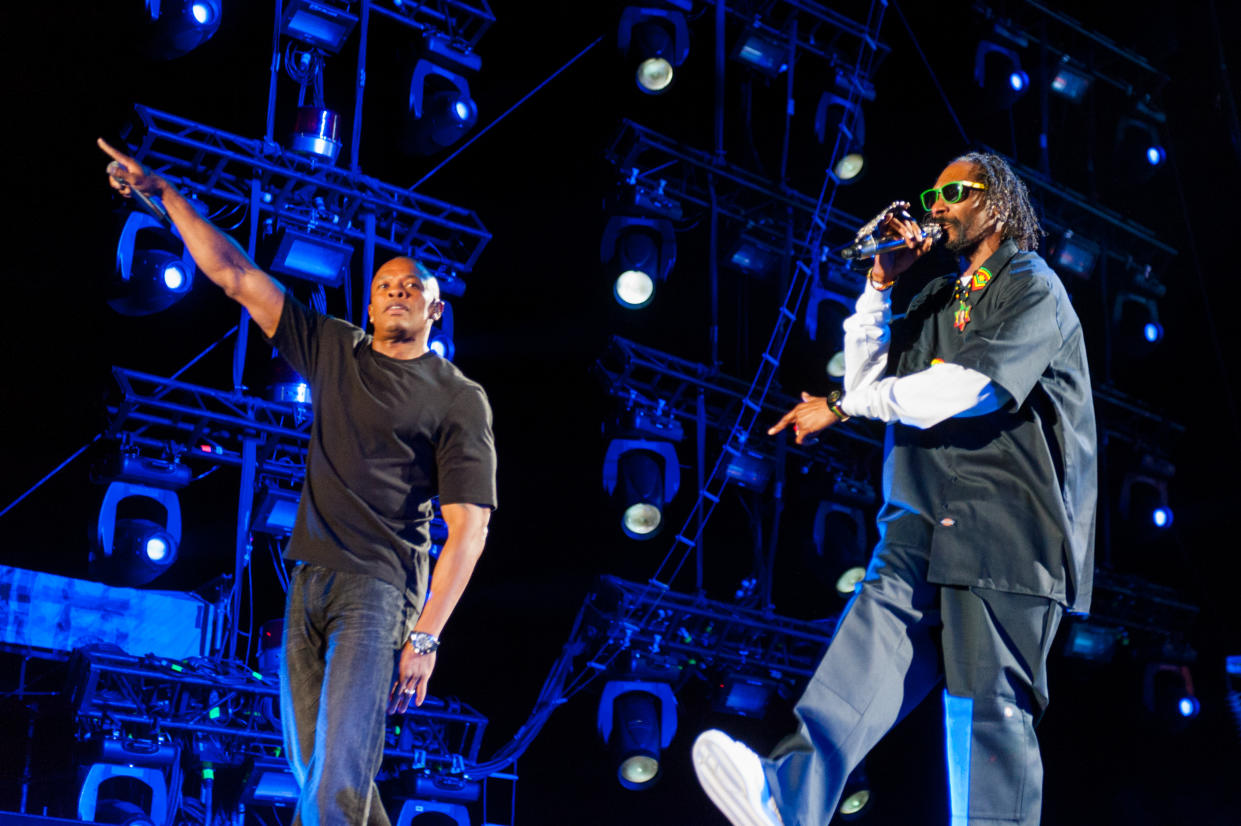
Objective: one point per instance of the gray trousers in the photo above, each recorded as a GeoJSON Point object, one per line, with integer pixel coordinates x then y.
{"type": "Point", "coordinates": [898, 637]}
{"type": "Point", "coordinates": [342, 632]}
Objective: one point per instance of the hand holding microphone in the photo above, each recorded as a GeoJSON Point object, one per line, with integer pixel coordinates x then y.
{"type": "Point", "coordinates": [131, 179]}
{"type": "Point", "coordinates": [895, 240]}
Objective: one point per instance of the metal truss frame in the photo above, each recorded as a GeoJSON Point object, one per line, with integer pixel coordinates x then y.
{"type": "Point", "coordinates": [642, 155]}
{"type": "Point", "coordinates": [210, 162]}
{"type": "Point", "coordinates": [232, 713]}
{"type": "Point", "coordinates": [459, 20]}
{"type": "Point", "coordinates": [182, 420]}
{"type": "Point", "coordinates": [760, 16]}
{"type": "Point", "coordinates": [705, 635]}
{"type": "Point", "coordinates": [645, 377]}
{"type": "Point", "coordinates": [803, 228]}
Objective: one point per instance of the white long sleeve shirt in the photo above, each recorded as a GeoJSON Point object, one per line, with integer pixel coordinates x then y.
{"type": "Point", "coordinates": [921, 399]}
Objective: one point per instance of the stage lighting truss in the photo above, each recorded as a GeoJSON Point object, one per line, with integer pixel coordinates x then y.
{"type": "Point", "coordinates": [1082, 56]}
{"type": "Point", "coordinates": [656, 163]}
{"type": "Point", "coordinates": [819, 30]}
{"type": "Point", "coordinates": [1149, 620]}
{"type": "Point", "coordinates": [646, 629]}
{"type": "Point", "coordinates": [211, 163]}
{"type": "Point", "coordinates": [1120, 239]}
{"type": "Point", "coordinates": [205, 425]}
{"type": "Point", "coordinates": [223, 713]}
{"type": "Point", "coordinates": [673, 389]}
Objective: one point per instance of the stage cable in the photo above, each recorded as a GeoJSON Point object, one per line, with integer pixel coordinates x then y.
{"type": "Point", "coordinates": [934, 77]}
{"type": "Point", "coordinates": [506, 113]}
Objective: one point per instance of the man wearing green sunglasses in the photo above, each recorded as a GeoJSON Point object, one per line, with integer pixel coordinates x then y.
{"type": "Point", "coordinates": [986, 532]}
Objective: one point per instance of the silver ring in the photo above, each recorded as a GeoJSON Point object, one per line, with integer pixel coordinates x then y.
{"type": "Point", "coordinates": [409, 693]}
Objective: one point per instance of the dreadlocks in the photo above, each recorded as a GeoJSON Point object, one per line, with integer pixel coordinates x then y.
{"type": "Point", "coordinates": [1007, 198]}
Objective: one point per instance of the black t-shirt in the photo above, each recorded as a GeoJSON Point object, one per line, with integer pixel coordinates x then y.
{"type": "Point", "coordinates": [388, 434]}
{"type": "Point", "coordinates": [1012, 493]}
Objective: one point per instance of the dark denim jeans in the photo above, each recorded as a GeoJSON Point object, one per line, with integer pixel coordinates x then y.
{"type": "Point", "coordinates": [342, 632]}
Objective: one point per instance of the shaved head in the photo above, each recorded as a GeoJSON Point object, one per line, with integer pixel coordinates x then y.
{"type": "Point", "coordinates": [404, 265]}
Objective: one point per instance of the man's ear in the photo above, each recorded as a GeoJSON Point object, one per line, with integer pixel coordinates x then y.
{"type": "Point", "coordinates": [437, 309]}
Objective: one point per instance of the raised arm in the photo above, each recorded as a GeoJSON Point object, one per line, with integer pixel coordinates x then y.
{"type": "Point", "coordinates": [217, 255]}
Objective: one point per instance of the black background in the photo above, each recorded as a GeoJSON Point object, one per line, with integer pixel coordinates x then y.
{"type": "Point", "coordinates": [539, 310]}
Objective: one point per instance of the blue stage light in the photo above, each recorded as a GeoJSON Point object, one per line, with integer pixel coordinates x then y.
{"type": "Point", "coordinates": [153, 268]}
{"type": "Point", "coordinates": [657, 40]}
{"type": "Point", "coordinates": [1161, 517]}
{"type": "Point", "coordinates": [440, 106]}
{"type": "Point", "coordinates": [634, 289]}
{"type": "Point", "coordinates": [157, 548]}
{"type": "Point", "coordinates": [174, 275]}
{"type": "Point", "coordinates": [1188, 707]}
{"type": "Point", "coordinates": [175, 27]}
{"type": "Point", "coordinates": [1152, 331]}
{"type": "Point", "coordinates": [1155, 155]}
{"type": "Point", "coordinates": [1018, 81]}
{"type": "Point", "coordinates": [203, 13]}
{"type": "Point", "coordinates": [641, 251]}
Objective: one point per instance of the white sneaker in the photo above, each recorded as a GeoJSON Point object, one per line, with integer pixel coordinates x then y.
{"type": "Point", "coordinates": [733, 777]}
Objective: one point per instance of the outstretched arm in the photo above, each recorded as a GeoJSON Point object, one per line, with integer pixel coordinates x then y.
{"type": "Point", "coordinates": [467, 531]}
{"type": "Point", "coordinates": [217, 255]}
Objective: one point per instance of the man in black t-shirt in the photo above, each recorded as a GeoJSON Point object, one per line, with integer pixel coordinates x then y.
{"type": "Point", "coordinates": [394, 425]}
{"type": "Point", "coordinates": [987, 526]}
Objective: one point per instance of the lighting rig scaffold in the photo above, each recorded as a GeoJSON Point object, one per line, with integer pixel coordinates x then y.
{"type": "Point", "coordinates": [660, 163]}
{"type": "Point", "coordinates": [229, 716]}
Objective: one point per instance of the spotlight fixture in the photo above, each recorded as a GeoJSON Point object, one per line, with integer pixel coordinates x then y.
{"type": "Point", "coordinates": [135, 548]}
{"type": "Point", "coordinates": [1138, 150]}
{"type": "Point", "coordinates": [641, 252]}
{"type": "Point", "coordinates": [1072, 254]}
{"type": "Point", "coordinates": [856, 798]}
{"type": "Point", "coordinates": [153, 268]}
{"type": "Point", "coordinates": [753, 257]}
{"type": "Point", "coordinates": [838, 546]}
{"type": "Point", "coordinates": [311, 255]}
{"type": "Point", "coordinates": [1144, 501]}
{"type": "Point", "coordinates": [1090, 641]}
{"type": "Point", "coordinates": [642, 475]}
{"type": "Point", "coordinates": [440, 106]}
{"type": "Point", "coordinates": [998, 73]}
{"type": "Point", "coordinates": [176, 27]}
{"type": "Point", "coordinates": [1135, 324]}
{"type": "Point", "coordinates": [657, 39]}
{"type": "Point", "coordinates": [837, 114]}
{"type": "Point", "coordinates": [319, 23]}
{"type": "Point", "coordinates": [1069, 81]}
{"type": "Point", "coordinates": [745, 695]}
{"type": "Point", "coordinates": [761, 53]}
{"type": "Point", "coordinates": [1168, 693]}
{"type": "Point", "coordinates": [276, 511]}
{"type": "Point", "coordinates": [637, 719]}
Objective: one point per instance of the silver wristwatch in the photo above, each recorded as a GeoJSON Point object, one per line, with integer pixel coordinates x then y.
{"type": "Point", "coordinates": [422, 642]}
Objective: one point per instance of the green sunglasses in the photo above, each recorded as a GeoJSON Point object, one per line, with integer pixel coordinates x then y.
{"type": "Point", "coordinates": [952, 192]}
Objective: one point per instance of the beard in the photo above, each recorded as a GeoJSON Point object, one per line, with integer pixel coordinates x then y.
{"type": "Point", "coordinates": [963, 239]}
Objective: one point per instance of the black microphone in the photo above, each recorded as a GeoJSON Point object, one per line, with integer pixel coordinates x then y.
{"type": "Point", "coordinates": [870, 247]}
